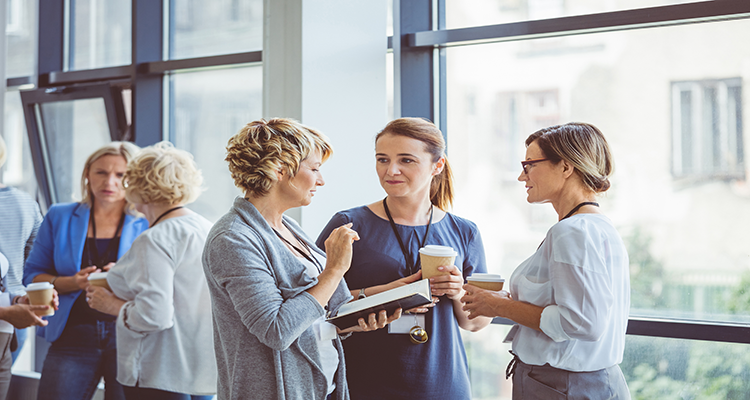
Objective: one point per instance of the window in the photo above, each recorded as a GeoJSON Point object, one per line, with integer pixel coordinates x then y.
{"type": "Point", "coordinates": [707, 138]}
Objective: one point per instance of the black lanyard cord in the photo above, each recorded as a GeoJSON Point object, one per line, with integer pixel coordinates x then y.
{"type": "Point", "coordinates": [407, 255]}
{"type": "Point", "coordinates": [89, 249]}
{"type": "Point", "coordinates": [573, 211]}
{"type": "Point", "coordinates": [309, 257]}
{"type": "Point", "coordinates": [165, 213]}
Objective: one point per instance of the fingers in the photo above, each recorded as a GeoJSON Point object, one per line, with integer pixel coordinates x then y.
{"type": "Point", "coordinates": [108, 266]}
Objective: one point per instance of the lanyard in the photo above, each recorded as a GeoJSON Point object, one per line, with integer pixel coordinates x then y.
{"type": "Point", "coordinates": [165, 213]}
{"type": "Point", "coordinates": [407, 255]}
{"type": "Point", "coordinates": [309, 257]}
{"type": "Point", "coordinates": [93, 251]}
{"type": "Point", "coordinates": [573, 211]}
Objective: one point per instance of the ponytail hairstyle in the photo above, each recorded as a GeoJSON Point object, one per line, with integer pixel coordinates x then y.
{"type": "Point", "coordinates": [583, 146]}
{"type": "Point", "coordinates": [441, 188]}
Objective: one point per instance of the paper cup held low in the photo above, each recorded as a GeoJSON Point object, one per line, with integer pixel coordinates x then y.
{"type": "Point", "coordinates": [486, 281]}
{"type": "Point", "coordinates": [99, 279]}
{"type": "Point", "coordinates": [42, 294]}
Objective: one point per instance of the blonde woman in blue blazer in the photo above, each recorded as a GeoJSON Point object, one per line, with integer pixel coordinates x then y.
{"type": "Point", "coordinates": [75, 240]}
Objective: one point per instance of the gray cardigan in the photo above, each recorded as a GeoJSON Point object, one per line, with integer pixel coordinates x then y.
{"type": "Point", "coordinates": [262, 312]}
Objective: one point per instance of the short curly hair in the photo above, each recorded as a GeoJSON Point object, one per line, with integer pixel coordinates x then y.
{"type": "Point", "coordinates": [162, 174]}
{"type": "Point", "coordinates": [261, 148]}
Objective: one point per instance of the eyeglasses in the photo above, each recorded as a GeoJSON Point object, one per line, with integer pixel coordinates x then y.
{"type": "Point", "coordinates": [525, 164]}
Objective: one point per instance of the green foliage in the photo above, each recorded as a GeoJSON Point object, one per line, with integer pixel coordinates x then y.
{"type": "Point", "coordinates": [646, 272]}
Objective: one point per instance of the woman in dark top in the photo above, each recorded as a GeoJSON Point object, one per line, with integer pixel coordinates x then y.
{"type": "Point", "coordinates": [75, 240]}
{"type": "Point", "coordinates": [385, 364]}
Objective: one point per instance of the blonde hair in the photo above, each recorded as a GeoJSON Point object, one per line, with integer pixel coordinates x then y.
{"type": "Point", "coordinates": [125, 150]}
{"type": "Point", "coordinates": [3, 152]}
{"type": "Point", "coordinates": [441, 187]}
{"type": "Point", "coordinates": [583, 146]}
{"type": "Point", "coordinates": [162, 174]}
{"type": "Point", "coordinates": [261, 148]}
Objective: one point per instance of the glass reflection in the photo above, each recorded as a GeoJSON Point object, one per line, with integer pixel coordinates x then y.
{"type": "Point", "coordinates": [101, 33]}
{"type": "Point", "coordinates": [208, 28]}
{"type": "Point", "coordinates": [209, 107]}
{"type": "Point", "coordinates": [669, 101]}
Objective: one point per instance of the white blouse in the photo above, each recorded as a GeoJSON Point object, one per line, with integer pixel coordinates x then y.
{"type": "Point", "coordinates": [580, 275]}
{"type": "Point", "coordinates": [164, 330]}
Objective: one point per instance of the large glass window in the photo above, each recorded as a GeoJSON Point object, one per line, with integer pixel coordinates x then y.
{"type": "Point", "coordinates": [209, 107]}
{"type": "Point", "coordinates": [207, 28]}
{"type": "Point", "coordinates": [100, 33]}
{"type": "Point", "coordinates": [18, 170]}
{"type": "Point", "coordinates": [646, 90]}
{"type": "Point", "coordinates": [21, 33]}
{"type": "Point", "coordinates": [466, 13]}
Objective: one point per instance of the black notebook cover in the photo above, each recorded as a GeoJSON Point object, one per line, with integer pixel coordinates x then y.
{"type": "Point", "coordinates": [405, 297]}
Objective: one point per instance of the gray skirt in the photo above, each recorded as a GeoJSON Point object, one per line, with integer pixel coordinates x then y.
{"type": "Point", "coordinates": [532, 382]}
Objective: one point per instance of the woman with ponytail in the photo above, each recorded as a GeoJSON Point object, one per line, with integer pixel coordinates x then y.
{"type": "Point", "coordinates": [389, 364]}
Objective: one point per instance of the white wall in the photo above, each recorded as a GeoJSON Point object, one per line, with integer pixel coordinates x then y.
{"type": "Point", "coordinates": [325, 65]}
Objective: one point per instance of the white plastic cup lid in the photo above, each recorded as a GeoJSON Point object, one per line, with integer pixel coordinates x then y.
{"type": "Point", "coordinates": [39, 286]}
{"type": "Point", "coordinates": [481, 277]}
{"type": "Point", "coordinates": [438, 251]}
{"type": "Point", "coordinates": [98, 275]}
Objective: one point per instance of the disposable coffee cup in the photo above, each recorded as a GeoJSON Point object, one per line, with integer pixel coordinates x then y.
{"type": "Point", "coordinates": [486, 281]}
{"type": "Point", "coordinates": [99, 279]}
{"type": "Point", "coordinates": [42, 294]}
{"type": "Point", "coordinates": [432, 256]}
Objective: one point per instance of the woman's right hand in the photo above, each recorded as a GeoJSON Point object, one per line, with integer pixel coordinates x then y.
{"type": "Point", "coordinates": [339, 247]}
{"type": "Point", "coordinates": [81, 278]}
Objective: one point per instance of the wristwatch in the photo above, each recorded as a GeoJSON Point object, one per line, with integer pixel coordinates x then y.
{"type": "Point", "coordinates": [362, 294]}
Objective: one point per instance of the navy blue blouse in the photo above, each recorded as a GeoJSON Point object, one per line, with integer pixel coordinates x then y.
{"type": "Point", "coordinates": [388, 366]}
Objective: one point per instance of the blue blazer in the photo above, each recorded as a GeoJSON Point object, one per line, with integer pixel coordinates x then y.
{"type": "Point", "coordinates": [58, 250]}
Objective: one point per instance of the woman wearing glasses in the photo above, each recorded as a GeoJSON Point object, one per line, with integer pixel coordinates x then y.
{"type": "Point", "coordinates": [414, 172]}
{"type": "Point", "coordinates": [571, 298]}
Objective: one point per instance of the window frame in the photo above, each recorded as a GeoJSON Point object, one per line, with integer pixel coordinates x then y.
{"type": "Point", "coordinates": [413, 38]}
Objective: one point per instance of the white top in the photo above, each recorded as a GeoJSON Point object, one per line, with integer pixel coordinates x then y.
{"type": "Point", "coordinates": [5, 326]}
{"type": "Point", "coordinates": [580, 275]}
{"type": "Point", "coordinates": [325, 332]}
{"type": "Point", "coordinates": [164, 330]}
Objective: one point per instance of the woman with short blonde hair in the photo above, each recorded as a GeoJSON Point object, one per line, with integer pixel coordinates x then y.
{"type": "Point", "coordinates": [271, 287]}
{"type": "Point", "coordinates": [158, 290]}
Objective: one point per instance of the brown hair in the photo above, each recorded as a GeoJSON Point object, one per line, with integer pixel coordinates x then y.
{"type": "Point", "coordinates": [583, 146]}
{"type": "Point", "coordinates": [261, 148]}
{"type": "Point", "coordinates": [441, 188]}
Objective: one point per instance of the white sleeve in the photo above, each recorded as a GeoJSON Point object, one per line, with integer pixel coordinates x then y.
{"type": "Point", "coordinates": [148, 271]}
{"type": "Point", "coordinates": [582, 292]}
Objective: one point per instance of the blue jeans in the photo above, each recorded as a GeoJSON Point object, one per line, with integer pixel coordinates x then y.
{"type": "Point", "coordinates": [139, 393]}
{"type": "Point", "coordinates": [76, 362]}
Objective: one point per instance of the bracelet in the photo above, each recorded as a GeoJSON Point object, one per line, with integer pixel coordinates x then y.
{"type": "Point", "coordinates": [345, 336]}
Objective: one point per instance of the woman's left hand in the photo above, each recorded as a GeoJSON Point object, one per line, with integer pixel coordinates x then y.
{"type": "Point", "coordinates": [483, 303]}
{"type": "Point", "coordinates": [448, 285]}
{"type": "Point", "coordinates": [374, 322]}
{"type": "Point", "coordinates": [103, 300]}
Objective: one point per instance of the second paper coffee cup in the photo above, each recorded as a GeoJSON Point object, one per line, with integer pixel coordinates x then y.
{"type": "Point", "coordinates": [432, 256]}
{"type": "Point", "coordinates": [99, 279]}
{"type": "Point", "coordinates": [42, 294]}
{"type": "Point", "coordinates": [486, 281]}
